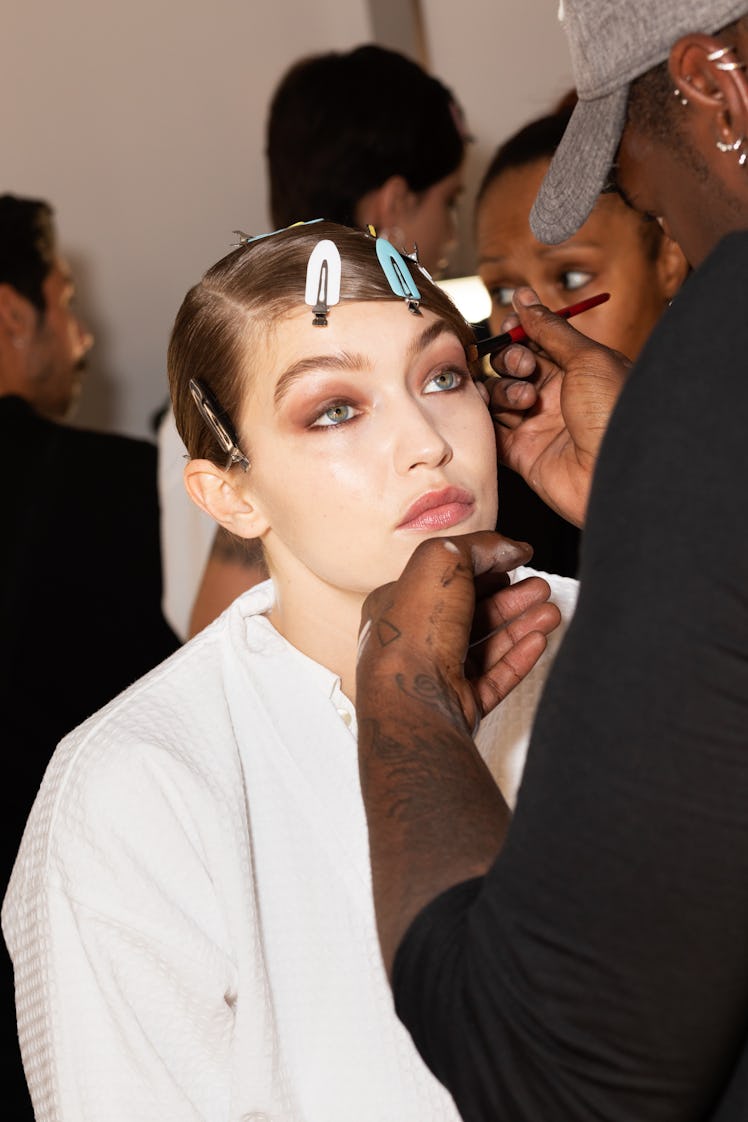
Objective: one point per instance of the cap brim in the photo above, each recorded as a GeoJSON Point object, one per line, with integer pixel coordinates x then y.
{"type": "Point", "coordinates": [580, 167]}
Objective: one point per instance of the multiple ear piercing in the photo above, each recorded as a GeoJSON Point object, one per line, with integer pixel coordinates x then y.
{"type": "Point", "coordinates": [721, 62]}
{"type": "Point", "coordinates": [718, 57]}
{"type": "Point", "coordinates": [735, 146]}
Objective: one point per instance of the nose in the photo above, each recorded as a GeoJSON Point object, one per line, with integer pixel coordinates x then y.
{"type": "Point", "coordinates": [419, 441]}
{"type": "Point", "coordinates": [85, 338]}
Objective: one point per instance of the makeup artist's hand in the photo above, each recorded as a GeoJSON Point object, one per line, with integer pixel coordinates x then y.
{"type": "Point", "coordinates": [451, 637]}
{"type": "Point", "coordinates": [551, 404]}
{"type": "Point", "coordinates": [434, 813]}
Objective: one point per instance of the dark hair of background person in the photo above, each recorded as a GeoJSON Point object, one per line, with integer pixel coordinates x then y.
{"type": "Point", "coordinates": [354, 119]}
{"type": "Point", "coordinates": [27, 246]}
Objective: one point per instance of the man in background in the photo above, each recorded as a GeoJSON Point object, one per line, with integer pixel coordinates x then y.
{"type": "Point", "coordinates": [80, 564]}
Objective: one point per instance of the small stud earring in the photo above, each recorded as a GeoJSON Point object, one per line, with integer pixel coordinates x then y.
{"type": "Point", "coordinates": [683, 100]}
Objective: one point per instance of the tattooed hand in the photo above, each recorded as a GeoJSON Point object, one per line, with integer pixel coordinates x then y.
{"type": "Point", "coordinates": [452, 634]}
{"type": "Point", "coordinates": [438, 649]}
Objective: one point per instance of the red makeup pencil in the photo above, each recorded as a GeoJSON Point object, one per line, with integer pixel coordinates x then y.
{"type": "Point", "coordinates": [518, 334]}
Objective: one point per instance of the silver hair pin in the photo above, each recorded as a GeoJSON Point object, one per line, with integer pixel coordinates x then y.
{"type": "Point", "coordinates": [218, 422]}
{"type": "Point", "coordinates": [244, 239]}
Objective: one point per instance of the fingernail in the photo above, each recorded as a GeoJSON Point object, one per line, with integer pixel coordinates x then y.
{"type": "Point", "coordinates": [515, 392]}
{"type": "Point", "coordinates": [525, 297]}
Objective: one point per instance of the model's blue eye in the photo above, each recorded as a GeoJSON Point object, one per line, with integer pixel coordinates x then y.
{"type": "Point", "coordinates": [444, 380]}
{"type": "Point", "coordinates": [572, 279]}
{"type": "Point", "coordinates": [336, 414]}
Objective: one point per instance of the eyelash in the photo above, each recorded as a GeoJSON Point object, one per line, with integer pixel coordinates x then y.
{"type": "Point", "coordinates": [322, 420]}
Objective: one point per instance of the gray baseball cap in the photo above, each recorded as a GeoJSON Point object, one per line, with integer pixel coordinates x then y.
{"type": "Point", "coordinates": [611, 42]}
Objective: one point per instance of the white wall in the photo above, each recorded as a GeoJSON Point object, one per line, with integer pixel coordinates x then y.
{"type": "Point", "coordinates": [142, 123]}
{"type": "Point", "coordinates": [507, 62]}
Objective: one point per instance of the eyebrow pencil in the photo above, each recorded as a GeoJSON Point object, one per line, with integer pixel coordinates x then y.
{"type": "Point", "coordinates": [518, 334]}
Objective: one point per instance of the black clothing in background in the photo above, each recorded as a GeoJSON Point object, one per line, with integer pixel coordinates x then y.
{"type": "Point", "coordinates": [599, 971]}
{"type": "Point", "coordinates": [80, 616]}
{"type": "Point", "coordinates": [526, 518]}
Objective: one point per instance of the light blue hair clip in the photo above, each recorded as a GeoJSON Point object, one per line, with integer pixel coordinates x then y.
{"type": "Point", "coordinates": [398, 275]}
{"type": "Point", "coordinates": [245, 239]}
{"type": "Point", "coordinates": [323, 280]}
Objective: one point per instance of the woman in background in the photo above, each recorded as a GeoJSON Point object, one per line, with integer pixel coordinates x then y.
{"type": "Point", "coordinates": [616, 250]}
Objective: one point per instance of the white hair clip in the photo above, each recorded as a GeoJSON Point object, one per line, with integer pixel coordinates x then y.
{"type": "Point", "coordinates": [323, 280]}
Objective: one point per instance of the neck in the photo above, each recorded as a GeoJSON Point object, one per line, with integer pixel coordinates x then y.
{"type": "Point", "coordinates": [321, 621]}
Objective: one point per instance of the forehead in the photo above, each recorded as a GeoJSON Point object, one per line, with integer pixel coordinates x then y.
{"type": "Point", "coordinates": [382, 325]}
{"type": "Point", "coordinates": [359, 335]}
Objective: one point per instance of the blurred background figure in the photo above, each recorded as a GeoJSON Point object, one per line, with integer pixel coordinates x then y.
{"type": "Point", "coordinates": [616, 250]}
{"type": "Point", "coordinates": [80, 568]}
{"type": "Point", "coordinates": [368, 137]}
{"type": "Point", "coordinates": [362, 137]}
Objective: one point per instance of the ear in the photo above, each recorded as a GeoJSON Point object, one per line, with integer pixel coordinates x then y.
{"type": "Point", "coordinates": [717, 93]}
{"type": "Point", "coordinates": [18, 316]}
{"type": "Point", "coordinates": [672, 267]}
{"type": "Point", "coordinates": [225, 496]}
{"type": "Point", "coordinates": [387, 208]}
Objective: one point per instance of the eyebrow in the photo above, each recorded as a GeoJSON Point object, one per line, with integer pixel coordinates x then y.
{"type": "Point", "coordinates": [352, 361]}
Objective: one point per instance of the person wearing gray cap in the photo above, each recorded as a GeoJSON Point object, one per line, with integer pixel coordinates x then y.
{"type": "Point", "coordinates": [588, 959]}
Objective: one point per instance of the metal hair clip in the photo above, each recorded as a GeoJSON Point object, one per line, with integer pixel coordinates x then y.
{"type": "Point", "coordinates": [398, 275]}
{"type": "Point", "coordinates": [323, 280]}
{"type": "Point", "coordinates": [218, 422]}
{"type": "Point", "coordinates": [414, 258]}
{"type": "Point", "coordinates": [245, 239]}
{"type": "Point", "coordinates": [720, 53]}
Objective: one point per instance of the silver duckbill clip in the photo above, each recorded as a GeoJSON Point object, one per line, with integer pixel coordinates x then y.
{"type": "Point", "coordinates": [218, 422]}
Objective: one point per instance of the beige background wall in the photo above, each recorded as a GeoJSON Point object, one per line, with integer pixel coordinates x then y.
{"type": "Point", "coordinates": [142, 124]}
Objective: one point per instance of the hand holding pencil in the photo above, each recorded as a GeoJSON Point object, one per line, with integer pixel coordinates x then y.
{"type": "Point", "coordinates": [518, 334]}
{"type": "Point", "coordinates": [551, 407]}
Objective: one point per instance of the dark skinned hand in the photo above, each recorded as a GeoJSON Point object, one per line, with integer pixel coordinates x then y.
{"type": "Point", "coordinates": [452, 619]}
{"type": "Point", "coordinates": [439, 648]}
{"type": "Point", "coordinates": [551, 404]}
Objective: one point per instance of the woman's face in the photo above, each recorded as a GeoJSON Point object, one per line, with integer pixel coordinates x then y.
{"type": "Point", "coordinates": [609, 253]}
{"type": "Point", "coordinates": [365, 437]}
{"type": "Point", "coordinates": [430, 222]}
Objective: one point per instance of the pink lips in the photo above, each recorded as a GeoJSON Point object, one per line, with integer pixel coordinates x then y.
{"type": "Point", "coordinates": [438, 510]}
